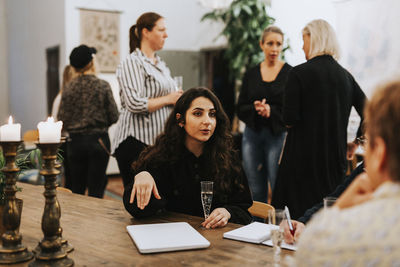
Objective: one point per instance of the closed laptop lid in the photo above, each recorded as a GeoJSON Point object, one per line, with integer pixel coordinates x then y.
{"type": "Point", "coordinates": [162, 237]}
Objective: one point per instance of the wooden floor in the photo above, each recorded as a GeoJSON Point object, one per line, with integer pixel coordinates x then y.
{"type": "Point", "coordinates": [115, 188]}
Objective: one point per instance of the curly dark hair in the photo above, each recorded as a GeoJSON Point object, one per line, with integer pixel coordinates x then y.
{"type": "Point", "coordinates": [170, 144]}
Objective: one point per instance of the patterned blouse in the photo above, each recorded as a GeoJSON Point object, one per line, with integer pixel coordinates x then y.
{"type": "Point", "coordinates": [140, 79]}
{"type": "Point", "coordinates": [87, 106]}
{"type": "Point", "coordinates": [364, 235]}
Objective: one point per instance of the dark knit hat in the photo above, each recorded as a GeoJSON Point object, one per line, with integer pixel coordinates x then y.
{"type": "Point", "coordinates": [81, 56]}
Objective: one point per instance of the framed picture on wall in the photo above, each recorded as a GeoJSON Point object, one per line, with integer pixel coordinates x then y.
{"type": "Point", "coordinates": [100, 29]}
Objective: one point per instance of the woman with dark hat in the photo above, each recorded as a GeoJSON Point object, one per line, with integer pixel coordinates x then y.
{"type": "Point", "coordinates": [87, 110]}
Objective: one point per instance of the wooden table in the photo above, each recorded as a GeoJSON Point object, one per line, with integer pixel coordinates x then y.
{"type": "Point", "coordinates": [97, 230]}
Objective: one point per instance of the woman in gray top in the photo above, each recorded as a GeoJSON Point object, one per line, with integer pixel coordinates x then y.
{"type": "Point", "coordinates": [87, 109]}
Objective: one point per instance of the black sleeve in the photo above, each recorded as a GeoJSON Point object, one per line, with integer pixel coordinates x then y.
{"type": "Point", "coordinates": [359, 100]}
{"type": "Point", "coordinates": [154, 204]}
{"type": "Point", "coordinates": [338, 191]}
{"type": "Point", "coordinates": [111, 107]}
{"type": "Point", "coordinates": [277, 105]}
{"type": "Point", "coordinates": [240, 200]}
{"type": "Point", "coordinates": [291, 100]}
{"type": "Point", "coordinates": [245, 108]}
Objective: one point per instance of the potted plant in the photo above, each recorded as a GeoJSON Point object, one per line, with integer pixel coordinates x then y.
{"type": "Point", "coordinates": [245, 21]}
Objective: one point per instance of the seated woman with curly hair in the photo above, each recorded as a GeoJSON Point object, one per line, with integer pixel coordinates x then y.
{"type": "Point", "coordinates": [195, 146]}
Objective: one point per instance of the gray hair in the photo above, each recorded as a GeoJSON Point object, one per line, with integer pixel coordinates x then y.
{"type": "Point", "coordinates": [323, 39]}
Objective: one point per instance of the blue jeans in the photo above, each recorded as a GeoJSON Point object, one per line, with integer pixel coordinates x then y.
{"type": "Point", "coordinates": [261, 151]}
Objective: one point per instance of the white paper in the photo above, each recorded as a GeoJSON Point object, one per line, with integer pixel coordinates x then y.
{"type": "Point", "coordinates": [255, 232]}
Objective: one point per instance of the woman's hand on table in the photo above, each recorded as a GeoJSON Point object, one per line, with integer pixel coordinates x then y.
{"type": "Point", "coordinates": [142, 188]}
{"type": "Point", "coordinates": [218, 218]}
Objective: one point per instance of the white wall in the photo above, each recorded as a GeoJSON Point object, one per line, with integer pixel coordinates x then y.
{"type": "Point", "coordinates": [182, 20]}
{"type": "Point", "coordinates": [3, 64]}
{"type": "Point", "coordinates": [370, 40]}
{"type": "Point", "coordinates": [32, 27]}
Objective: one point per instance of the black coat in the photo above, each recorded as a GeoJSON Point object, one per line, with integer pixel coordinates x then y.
{"type": "Point", "coordinates": [179, 187]}
{"type": "Point", "coordinates": [318, 99]}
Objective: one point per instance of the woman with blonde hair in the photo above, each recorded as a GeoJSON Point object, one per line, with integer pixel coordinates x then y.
{"type": "Point", "coordinates": [87, 110]}
{"type": "Point", "coordinates": [318, 99]}
{"type": "Point", "coordinates": [260, 107]}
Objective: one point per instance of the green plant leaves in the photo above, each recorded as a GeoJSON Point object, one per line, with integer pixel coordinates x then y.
{"type": "Point", "coordinates": [244, 21]}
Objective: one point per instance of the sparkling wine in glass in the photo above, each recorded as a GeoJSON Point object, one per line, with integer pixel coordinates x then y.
{"type": "Point", "coordinates": [206, 197]}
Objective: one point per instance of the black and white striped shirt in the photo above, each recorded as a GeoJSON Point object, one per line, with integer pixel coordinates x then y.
{"type": "Point", "coordinates": [140, 79]}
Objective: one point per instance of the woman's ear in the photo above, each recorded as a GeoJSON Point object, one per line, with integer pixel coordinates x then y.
{"type": "Point", "coordinates": [179, 119]}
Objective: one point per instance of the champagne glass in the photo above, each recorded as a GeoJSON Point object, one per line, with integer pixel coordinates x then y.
{"type": "Point", "coordinates": [275, 217]}
{"type": "Point", "coordinates": [206, 197]}
{"type": "Point", "coordinates": [179, 82]}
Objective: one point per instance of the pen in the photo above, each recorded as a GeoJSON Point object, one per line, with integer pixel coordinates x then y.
{"type": "Point", "coordinates": [289, 220]}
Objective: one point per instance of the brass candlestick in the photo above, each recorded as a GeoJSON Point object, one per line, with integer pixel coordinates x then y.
{"type": "Point", "coordinates": [64, 242]}
{"type": "Point", "coordinates": [12, 251]}
{"type": "Point", "coordinates": [49, 252]}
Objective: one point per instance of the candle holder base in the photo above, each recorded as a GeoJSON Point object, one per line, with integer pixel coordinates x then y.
{"type": "Point", "coordinates": [14, 255]}
{"type": "Point", "coordinates": [67, 247]}
{"type": "Point", "coordinates": [65, 262]}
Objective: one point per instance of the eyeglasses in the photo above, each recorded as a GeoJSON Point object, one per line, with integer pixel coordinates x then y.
{"type": "Point", "coordinates": [362, 140]}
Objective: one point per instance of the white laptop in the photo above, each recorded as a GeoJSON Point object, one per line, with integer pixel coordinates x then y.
{"type": "Point", "coordinates": [162, 237]}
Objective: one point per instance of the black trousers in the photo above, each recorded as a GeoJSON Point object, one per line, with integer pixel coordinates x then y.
{"type": "Point", "coordinates": [88, 163]}
{"type": "Point", "coordinates": [67, 174]}
{"type": "Point", "coordinates": [126, 153]}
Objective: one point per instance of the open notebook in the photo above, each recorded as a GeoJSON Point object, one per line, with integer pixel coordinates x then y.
{"type": "Point", "coordinates": [162, 237]}
{"type": "Point", "coordinates": [256, 232]}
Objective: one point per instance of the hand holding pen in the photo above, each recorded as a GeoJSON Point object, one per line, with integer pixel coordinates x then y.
{"type": "Point", "coordinates": [291, 236]}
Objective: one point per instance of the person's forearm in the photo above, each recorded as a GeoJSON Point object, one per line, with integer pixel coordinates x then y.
{"type": "Point", "coordinates": [154, 104]}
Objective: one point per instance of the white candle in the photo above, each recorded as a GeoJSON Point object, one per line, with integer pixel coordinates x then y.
{"type": "Point", "coordinates": [10, 131]}
{"type": "Point", "coordinates": [50, 131]}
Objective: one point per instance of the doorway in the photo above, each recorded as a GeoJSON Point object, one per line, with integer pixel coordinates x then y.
{"type": "Point", "coordinates": [52, 75]}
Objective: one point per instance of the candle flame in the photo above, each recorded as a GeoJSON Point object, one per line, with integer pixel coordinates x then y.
{"type": "Point", "coordinates": [10, 120]}
{"type": "Point", "coordinates": [50, 119]}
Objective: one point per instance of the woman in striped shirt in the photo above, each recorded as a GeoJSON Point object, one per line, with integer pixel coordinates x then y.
{"type": "Point", "coordinates": [147, 93]}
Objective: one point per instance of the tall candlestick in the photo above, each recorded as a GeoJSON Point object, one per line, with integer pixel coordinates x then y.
{"type": "Point", "coordinates": [10, 131]}
{"type": "Point", "coordinates": [12, 249]}
{"type": "Point", "coordinates": [49, 252]}
{"type": "Point", "coordinates": [50, 131]}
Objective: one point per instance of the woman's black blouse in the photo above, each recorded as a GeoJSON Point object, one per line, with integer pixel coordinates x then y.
{"type": "Point", "coordinates": [179, 188]}
{"type": "Point", "coordinates": [254, 88]}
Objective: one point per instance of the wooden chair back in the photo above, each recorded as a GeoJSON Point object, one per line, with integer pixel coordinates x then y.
{"type": "Point", "coordinates": [59, 188]}
{"type": "Point", "coordinates": [260, 210]}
